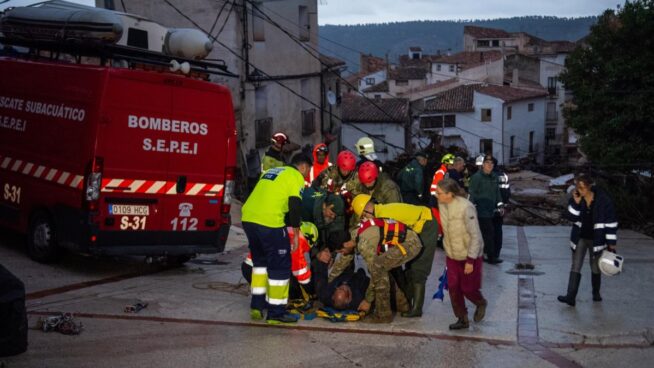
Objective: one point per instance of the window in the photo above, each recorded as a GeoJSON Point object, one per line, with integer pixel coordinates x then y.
{"type": "Point", "coordinates": [260, 103]}
{"type": "Point", "coordinates": [370, 81]}
{"type": "Point", "coordinates": [551, 85]}
{"type": "Point", "coordinates": [303, 22]}
{"type": "Point", "coordinates": [377, 97]}
{"type": "Point", "coordinates": [486, 116]}
{"type": "Point", "coordinates": [485, 145]}
{"type": "Point", "coordinates": [530, 107]}
{"type": "Point", "coordinates": [308, 122]}
{"type": "Point", "coordinates": [380, 142]}
{"type": "Point", "coordinates": [262, 132]}
{"type": "Point", "coordinates": [438, 122]}
{"type": "Point", "coordinates": [550, 133]}
{"type": "Point", "coordinates": [483, 43]}
{"type": "Point", "coordinates": [450, 121]}
{"type": "Point", "coordinates": [496, 43]}
{"type": "Point", "coordinates": [258, 24]}
{"type": "Point", "coordinates": [401, 82]}
{"type": "Point", "coordinates": [551, 114]}
{"type": "Point", "coordinates": [509, 110]}
{"type": "Point", "coordinates": [415, 56]}
{"type": "Point", "coordinates": [137, 38]}
{"type": "Point", "coordinates": [452, 68]}
{"type": "Point", "coordinates": [512, 146]}
{"type": "Point", "coordinates": [531, 142]}
{"type": "Point", "coordinates": [438, 67]}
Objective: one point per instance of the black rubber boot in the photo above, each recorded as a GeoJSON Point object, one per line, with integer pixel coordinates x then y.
{"type": "Point", "coordinates": [573, 287]}
{"type": "Point", "coordinates": [418, 301]}
{"type": "Point", "coordinates": [596, 280]}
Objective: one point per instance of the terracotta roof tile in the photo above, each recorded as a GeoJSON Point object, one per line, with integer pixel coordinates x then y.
{"type": "Point", "coordinates": [330, 61]}
{"type": "Point", "coordinates": [457, 99]}
{"type": "Point", "coordinates": [510, 94]}
{"type": "Point", "coordinates": [468, 59]}
{"type": "Point", "coordinates": [370, 64]}
{"type": "Point", "coordinates": [483, 32]}
{"type": "Point", "coordinates": [407, 73]}
{"type": "Point", "coordinates": [379, 87]}
{"type": "Point", "coordinates": [434, 85]}
{"type": "Point", "coordinates": [387, 110]}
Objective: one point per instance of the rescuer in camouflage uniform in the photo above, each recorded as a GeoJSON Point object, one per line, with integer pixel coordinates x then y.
{"type": "Point", "coordinates": [368, 242]}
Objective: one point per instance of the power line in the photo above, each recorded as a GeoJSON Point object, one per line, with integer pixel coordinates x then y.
{"type": "Point", "coordinates": [218, 16]}
{"type": "Point", "coordinates": [268, 76]}
{"type": "Point", "coordinates": [309, 50]}
{"type": "Point", "coordinates": [226, 19]}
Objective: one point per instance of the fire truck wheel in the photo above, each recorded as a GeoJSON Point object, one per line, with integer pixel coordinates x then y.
{"type": "Point", "coordinates": [41, 239]}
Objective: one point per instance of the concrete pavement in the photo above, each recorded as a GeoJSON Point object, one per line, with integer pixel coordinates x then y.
{"type": "Point", "coordinates": [198, 315]}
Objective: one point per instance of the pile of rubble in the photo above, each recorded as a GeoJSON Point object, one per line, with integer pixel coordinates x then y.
{"type": "Point", "coordinates": [537, 199]}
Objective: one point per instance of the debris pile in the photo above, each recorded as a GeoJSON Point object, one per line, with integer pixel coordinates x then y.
{"type": "Point", "coordinates": [537, 199]}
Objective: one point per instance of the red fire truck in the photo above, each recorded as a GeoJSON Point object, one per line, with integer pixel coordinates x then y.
{"type": "Point", "coordinates": [114, 161]}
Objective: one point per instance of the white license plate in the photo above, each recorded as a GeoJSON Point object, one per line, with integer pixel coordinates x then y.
{"type": "Point", "coordinates": [124, 209]}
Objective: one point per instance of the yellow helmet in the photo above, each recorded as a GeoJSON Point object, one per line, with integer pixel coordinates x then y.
{"type": "Point", "coordinates": [448, 159]}
{"type": "Point", "coordinates": [310, 232]}
{"type": "Point", "coordinates": [359, 203]}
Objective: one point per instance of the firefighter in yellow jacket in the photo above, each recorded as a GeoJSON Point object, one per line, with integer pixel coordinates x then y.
{"type": "Point", "coordinates": [277, 194]}
{"type": "Point", "coordinates": [419, 219]}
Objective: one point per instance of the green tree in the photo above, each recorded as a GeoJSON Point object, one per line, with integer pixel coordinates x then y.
{"type": "Point", "coordinates": [612, 79]}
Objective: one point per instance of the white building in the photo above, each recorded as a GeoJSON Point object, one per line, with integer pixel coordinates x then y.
{"type": "Point", "coordinates": [507, 122]}
{"type": "Point", "coordinates": [383, 120]}
{"type": "Point", "coordinates": [478, 66]}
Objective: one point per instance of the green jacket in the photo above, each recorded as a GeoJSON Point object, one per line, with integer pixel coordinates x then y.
{"type": "Point", "coordinates": [410, 178]}
{"type": "Point", "coordinates": [485, 193]}
{"type": "Point", "coordinates": [331, 180]}
{"type": "Point", "coordinates": [385, 190]}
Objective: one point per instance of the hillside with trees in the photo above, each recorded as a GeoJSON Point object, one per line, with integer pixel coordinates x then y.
{"type": "Point", "coordinates": [394, 39]}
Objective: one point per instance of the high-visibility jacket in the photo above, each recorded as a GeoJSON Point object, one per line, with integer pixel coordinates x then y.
{"type": "Point", "coordinates": [268, 203]}
{"type": "Point", "coordinates": [438, 176]}
{"type": "Point", "coordinates": [299, 264]}
{"type": "Point", "coordinates": [393, 233]}
{"type": "Point", "coordinates": [408, 214]}
{"type": "Point", "coordinates": [317, 167]}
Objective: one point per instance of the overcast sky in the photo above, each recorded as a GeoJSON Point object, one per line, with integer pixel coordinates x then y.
{"type": "Point", "coordinates": [380, 11]}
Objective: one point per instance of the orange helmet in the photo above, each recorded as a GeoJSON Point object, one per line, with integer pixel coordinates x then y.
{"type": "Point", "coordinates": [346, 161]}
{"type": "Point", "coordinates": [368, 173]}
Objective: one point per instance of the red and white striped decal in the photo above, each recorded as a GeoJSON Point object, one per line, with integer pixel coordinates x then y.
{"type": "Point", "coordinates": [50, 174]}
{"type": "Point", "coordinates": [159, 187]}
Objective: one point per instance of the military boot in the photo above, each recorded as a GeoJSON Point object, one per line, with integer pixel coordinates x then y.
{"type": "Point", "coordinates": [401, 302]}
{"type": "Point", "coordinates": [418, 301]}
{"type": "Point", "coordinates": [573, 287]}
{"type": "Point", "coordinates": [382, 313]}
{"type": "Point", "coordinates": [596, 280]}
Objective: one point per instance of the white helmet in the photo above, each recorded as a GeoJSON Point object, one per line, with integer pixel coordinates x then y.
{"type": "Point", "coordinates": [610, 263]}
{"type": "Point", "coordinates": [365, 146]}
{"type": "Point", "coordinates": [479, 160]}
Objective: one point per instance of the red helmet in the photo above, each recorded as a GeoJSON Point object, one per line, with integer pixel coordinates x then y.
{"type": "Point", "coordinates": [368, 173]}
{"type": "Point", "coordinates": [279, 138]}
{"type": "Point", "coordinates": [346, 161]}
